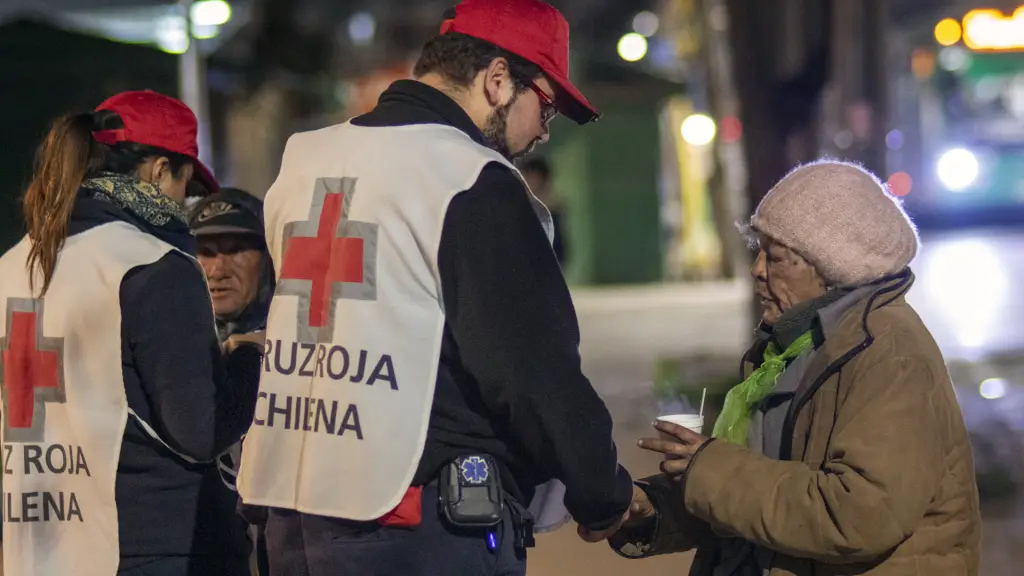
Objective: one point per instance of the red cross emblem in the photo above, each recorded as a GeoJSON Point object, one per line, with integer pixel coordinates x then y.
{"type": "Point", "coordinates": [33, 371]}
{"type": "Point", "coordinates": [328, 257]}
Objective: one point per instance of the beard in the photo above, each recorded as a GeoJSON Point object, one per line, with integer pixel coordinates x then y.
{"type": "Point", "coordinates": [496, 132]}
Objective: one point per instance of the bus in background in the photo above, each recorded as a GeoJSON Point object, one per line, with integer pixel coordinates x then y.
{"type": "Point", "coordinates": [957, 154]}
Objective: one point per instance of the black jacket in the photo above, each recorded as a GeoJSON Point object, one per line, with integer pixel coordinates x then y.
{"type": "Point", "coordinates": [177, 380]}
{"type": "Point", "coordinates": [509, 381]}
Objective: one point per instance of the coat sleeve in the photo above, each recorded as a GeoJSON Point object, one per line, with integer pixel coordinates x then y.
{"type": "Point", "coordinates": [199, 401]}
{"type": "Point", "coordinates": [673, 530]}
{"type": "Point", "coordinates": [871, 492]}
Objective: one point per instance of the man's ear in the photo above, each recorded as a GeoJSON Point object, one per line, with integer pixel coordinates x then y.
{"type": "Point", "coordinates": [497, 82]}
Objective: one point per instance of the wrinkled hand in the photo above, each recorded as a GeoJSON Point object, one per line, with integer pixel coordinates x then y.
{"type": "Point", "coordinates": [640, 512]}
{"type": "Point", "coordinates": [259, 338]}
{"type": "Point", "coordinates": [680, 449]}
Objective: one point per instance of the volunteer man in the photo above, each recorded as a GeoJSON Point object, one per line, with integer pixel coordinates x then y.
{"type": "Point", "coordinates": [422, 365]}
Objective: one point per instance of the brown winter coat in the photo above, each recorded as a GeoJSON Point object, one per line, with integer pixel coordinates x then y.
{"type": "Point", "coordinates": [881, 477]}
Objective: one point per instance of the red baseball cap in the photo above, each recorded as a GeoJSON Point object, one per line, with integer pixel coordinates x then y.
{"type": "Point", "coordinates": [532, 30]}
{"type": "Point", "coordinates": [152, 119]}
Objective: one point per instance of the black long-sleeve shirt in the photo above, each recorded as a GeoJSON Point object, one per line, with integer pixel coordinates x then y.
{"type": "Point", "coordinates": [198, 401]}
{"type": "Point", "coordinates": [510, 381]}
{"type": "Point", "coordinates": [177, 380]}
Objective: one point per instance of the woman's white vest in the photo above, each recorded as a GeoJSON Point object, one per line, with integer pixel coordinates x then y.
{"type": "Point", "coordinates": [64, 408]}
{"type": "Point", "coordinates": [354, 336]}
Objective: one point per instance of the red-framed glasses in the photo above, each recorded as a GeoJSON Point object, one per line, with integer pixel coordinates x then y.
{"type": "Point", "coordinates": [547, 105]}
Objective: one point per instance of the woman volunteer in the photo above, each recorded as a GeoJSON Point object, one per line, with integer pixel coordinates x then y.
{"type": "Point", "coordinates": [117, 398]}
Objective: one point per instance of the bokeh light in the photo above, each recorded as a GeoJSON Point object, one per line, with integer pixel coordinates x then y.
{"type": "Point", "coordinates": [646, 23]}
{"type": "Point", "coordinates": [698, 130]}
{"type": "Point", "coordinates": [894, 139]}
{"type": "Point", "coordinates": [993, 388]}
{"type": "Point", "coordinates": [957, 169]}
{"type": "Point", "coordinates": [210, 13]}
{"type": "Point", "coordinates": [731, 129]}
{"type": "Point", "coordinates": [900, 184]}
{"type": "Point", "coordinates": [632, 47]}
{"type": "Point", "coordinates": [947, 32]}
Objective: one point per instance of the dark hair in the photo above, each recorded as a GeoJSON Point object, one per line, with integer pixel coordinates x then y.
{"type": "Point", "coordinates": [538, 165]}
{"type": "Point", "coordinates": [459, 58]}
{"type": "Point", "coordinates": [67, 156]}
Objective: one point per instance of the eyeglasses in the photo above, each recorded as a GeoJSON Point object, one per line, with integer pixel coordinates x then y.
{"type": "Point", "coordinates": [547, 105]}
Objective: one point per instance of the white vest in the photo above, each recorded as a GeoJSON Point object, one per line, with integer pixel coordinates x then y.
{"type": "Point", "coordinates": [354, 335]}
{"type": "Point", "coordinates": [64, 407]}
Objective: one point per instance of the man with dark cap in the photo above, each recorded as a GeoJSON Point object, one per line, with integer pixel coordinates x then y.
{"type": "Point", "coordinates": [233, 253]}
{"type": "Point", "coordinates": [232, 250]}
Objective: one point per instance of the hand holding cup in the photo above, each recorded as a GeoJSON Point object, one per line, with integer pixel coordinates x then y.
{"type": "Point", "coordinates": [679, 441]}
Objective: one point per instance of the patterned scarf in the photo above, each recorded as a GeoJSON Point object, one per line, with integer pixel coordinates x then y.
{"type": "Point", "coordinates": [140, 198]}
{"type": "Point", "coordinates": [733, 424]}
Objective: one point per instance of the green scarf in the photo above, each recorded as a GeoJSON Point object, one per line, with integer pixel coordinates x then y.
{"type": "Point", "coordinates": [734, 422]}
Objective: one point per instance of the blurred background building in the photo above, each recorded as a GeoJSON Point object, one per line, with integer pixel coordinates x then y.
{"type": "Point", "coordinates": [706, 104]}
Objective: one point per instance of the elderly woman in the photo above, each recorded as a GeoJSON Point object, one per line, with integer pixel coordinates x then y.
{"type": "Point", "coordinates": [843, 450]}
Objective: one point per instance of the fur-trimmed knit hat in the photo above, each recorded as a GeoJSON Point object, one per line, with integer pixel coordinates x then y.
{"type": "Point", "coordinates": [842, 219]}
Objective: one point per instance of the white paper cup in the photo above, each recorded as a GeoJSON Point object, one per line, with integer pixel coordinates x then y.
{"type": "Point", "coordinates": [694, 422]}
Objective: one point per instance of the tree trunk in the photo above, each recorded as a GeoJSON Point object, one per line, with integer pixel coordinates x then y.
{"type": "Point", "coordinates": [780, 68]}
{"type": "Point", "coordinates": [754, 60]}
{"type": "Point", "coordinates": [778, 110]}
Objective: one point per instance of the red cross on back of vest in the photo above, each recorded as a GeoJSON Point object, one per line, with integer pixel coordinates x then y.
{"type": "Point", "coordinates": [326, 258]}
{"type": "Point", "coordinates": [33, 371]}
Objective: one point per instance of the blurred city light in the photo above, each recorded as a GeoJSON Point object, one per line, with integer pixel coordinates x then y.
{"type": "Point", "coordinates": [171, 34]}
{"type": "Point", "coordinates": [662, 54]}
{"type": "Point", "coordinates": [900, 184]}
{"type": "Point", "coordinates": [947, 32]}
{"type": "Point", "coordinates": [204, 32]}
{"type": "Point", "coordinates": [955, 59]}
{"type": "Point", "coordinates": [957, 169]}
{"type": "Point", "coordinates": [969, 288]}
{"type": "Point", "coordinates": [1013, 98]}
{"type": "Point", "coordinates": [646, 23]}
{"type": "Point", "coordinates": [989, 29]}
{"type": "Point", "coordinates": [989, 89]}
{"type": "Point", "coordinates": [843, 139]}
{"type": "Point", "coordinates": [732, 129]}
{"type": "Point", "coordinates": [361, 28]}
{"type": "Point", "coordinates": [698, 130]}
{"type": "Point", "coordinates": [210, 13]}
{"type": "Point", "coordinates": [993, 388]}
{"type": "Point", "coordinates": [922, 63]}
{"type": "Point", "coordinates": [632, 47]}
{"type": "Point", "coordinates": [894, 139]}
